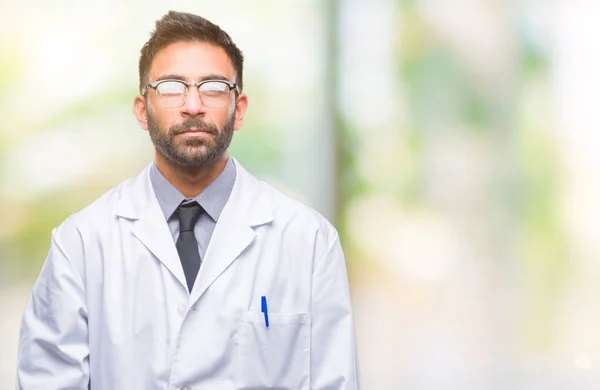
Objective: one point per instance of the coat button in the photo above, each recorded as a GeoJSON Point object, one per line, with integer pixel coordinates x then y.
{"type": "Point", "coordinates": [186, 387]}
{"type": "Point", "coordinates": [181, 309]}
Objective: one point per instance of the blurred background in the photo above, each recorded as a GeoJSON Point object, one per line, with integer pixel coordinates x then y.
{"type": "Point", "coordinates": [453, 143]}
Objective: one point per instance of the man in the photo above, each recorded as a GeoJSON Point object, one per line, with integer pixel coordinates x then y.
{"type": "Point", "coordinates": [194, 274]}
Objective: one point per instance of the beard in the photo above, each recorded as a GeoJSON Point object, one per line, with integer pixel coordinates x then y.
{"type": "Point", "coordinates": [191, 152]}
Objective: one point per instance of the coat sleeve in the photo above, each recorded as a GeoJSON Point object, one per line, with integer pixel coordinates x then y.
{"type": "Point", "coordinates": [53, 344]}
{"type": "Point", "coordinates": [333, 362]}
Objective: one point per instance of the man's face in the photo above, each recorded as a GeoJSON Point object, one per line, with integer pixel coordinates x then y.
{"type": "Point", "coordinates": [195, 149]}
{"type": "Point", "coordinates": [192, 135]}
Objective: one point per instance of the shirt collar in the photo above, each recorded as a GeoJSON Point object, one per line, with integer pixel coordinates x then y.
{"type": "Point", "coordinates": [212, 199]}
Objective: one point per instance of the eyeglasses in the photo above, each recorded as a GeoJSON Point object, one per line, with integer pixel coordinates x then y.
{"type": "Point", "coordinates": [173, 93]}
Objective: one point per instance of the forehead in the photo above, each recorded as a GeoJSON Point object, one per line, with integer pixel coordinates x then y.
{"type": "Point", "coordinates": [191, 60]}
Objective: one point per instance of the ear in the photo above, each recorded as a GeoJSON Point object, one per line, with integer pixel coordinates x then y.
{"type": "Point", "coordinates": [240, 109]}
{"type": "Point", "coordinates": [139, 110]}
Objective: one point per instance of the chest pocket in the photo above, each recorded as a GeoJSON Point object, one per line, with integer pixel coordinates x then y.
{"type": "Point", "coordinates": [277, 357]}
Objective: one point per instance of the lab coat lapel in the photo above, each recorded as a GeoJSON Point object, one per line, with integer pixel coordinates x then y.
{"type": "Point", "coordinates": [248, 206]}
{"type": "Point", "coordinates": [150, 227]}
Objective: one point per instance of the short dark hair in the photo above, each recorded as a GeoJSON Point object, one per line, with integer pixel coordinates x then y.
{"type": "Point", "coordinates": [185, 27]}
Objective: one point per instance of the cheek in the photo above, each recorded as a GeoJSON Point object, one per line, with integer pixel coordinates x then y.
{"type": "Point", "coordinates": [219, 119]}
{"type": "Point", "coordinates": [164, 120]}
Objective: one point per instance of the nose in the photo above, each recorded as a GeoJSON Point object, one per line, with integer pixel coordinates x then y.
{"type": "Point", "coordinates": [193, 105]}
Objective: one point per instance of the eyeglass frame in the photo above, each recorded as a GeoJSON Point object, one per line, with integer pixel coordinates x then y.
{"type": "Point", "coordinates": [155, 84]}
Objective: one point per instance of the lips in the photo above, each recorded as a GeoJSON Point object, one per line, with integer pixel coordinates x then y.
{"type": "Point", "coordinates": [195, 130]}
{"type": "Point", "coordinates": [194, 127]}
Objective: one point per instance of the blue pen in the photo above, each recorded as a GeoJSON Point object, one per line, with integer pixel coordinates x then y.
{"type": "Point", "coordinates": [263, 308]}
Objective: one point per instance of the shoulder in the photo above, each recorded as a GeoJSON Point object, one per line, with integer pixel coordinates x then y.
{"type": "Point", "coordinates": [291, 211]}
{"type": "Point", "coordinates": [95, 217]}
{"type": "Point", "coordinates": [288, 212]}
{"type": "Point", "coordinates": [104, 206]}
{"type": "Point", "coordinates": [76, 235]}
{"type": "Point", "coordinates": [302, 230]}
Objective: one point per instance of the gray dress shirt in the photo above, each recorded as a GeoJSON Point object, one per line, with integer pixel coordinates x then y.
{"type": "Point", "coordinates": [212, 199]}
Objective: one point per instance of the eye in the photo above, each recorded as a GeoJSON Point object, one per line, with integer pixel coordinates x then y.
{"type": "Point", "coordinates": [171, 88]}
{"type": "Point", "coordinates": [213, 88]}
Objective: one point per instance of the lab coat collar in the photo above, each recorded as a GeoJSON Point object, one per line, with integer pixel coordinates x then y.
{"type": "Point", "coordinates": [248, 206]}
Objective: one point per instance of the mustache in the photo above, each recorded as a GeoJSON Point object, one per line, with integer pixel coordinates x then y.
{"type": "Point", "coordinates": [194, 122]}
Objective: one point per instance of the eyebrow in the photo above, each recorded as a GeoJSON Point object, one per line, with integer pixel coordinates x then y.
{"type": "Point", "coordinates": [179, 77]}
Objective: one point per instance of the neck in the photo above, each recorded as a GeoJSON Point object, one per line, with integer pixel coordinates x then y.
{"type": "Point", "coordinates": [190, 181]}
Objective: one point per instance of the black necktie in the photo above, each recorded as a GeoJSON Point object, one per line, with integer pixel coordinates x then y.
{"type": "Point", "coordinates": [187, 246]}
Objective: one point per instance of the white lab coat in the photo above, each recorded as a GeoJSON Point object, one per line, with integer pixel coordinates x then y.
{"type": "Point", "coordinates": [110, 309]}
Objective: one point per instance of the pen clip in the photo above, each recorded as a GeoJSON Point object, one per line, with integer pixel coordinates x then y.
{"type": "Point", "coordinates": [263, 308]}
